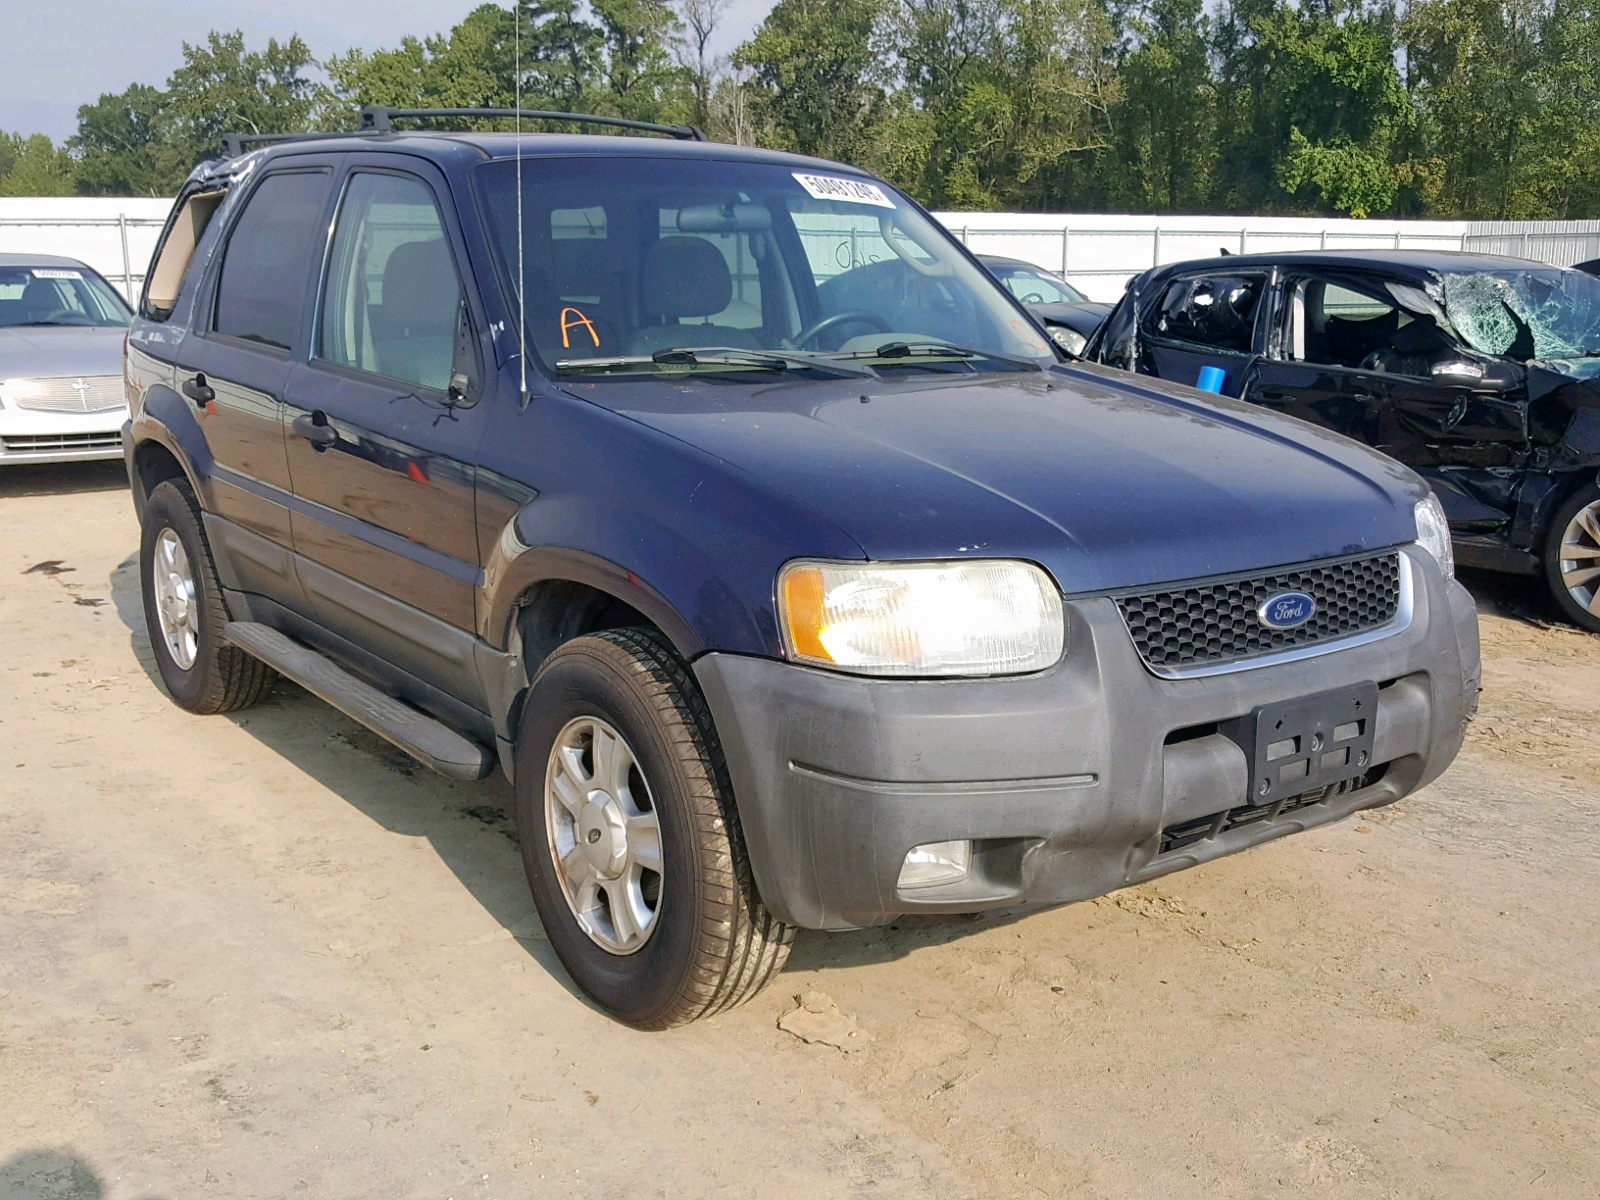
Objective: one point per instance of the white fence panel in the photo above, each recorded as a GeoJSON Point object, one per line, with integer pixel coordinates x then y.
{"type": "Point", "coordinates": [114, 236]}
{"type": "Point", "coordinates": [1098, 252]}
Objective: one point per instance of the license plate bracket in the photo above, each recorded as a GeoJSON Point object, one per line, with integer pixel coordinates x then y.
{"type": "Point", "coordinates": [1304, 745]}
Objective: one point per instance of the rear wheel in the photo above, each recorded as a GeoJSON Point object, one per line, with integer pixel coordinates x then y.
{"type": "Point", "coordinates": [630, 838]}
{"type": "Point", "coordinates": [184, 611]}
{"type": "Point", "coordinates": [1572, 559]}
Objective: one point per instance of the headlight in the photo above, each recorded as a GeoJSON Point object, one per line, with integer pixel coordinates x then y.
{"type": "Point", "coordinates": [1433, 534]}
{"type": "Point", "coordinates": [953, 618]}
{"type": "Point", "coordinates": [1069, 340]}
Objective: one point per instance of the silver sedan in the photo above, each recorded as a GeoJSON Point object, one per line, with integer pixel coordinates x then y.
{"type": "Point", "coordinates": [61, 390]}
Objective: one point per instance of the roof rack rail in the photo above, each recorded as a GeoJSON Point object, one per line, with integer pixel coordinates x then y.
{"type": "Point", "coordinates": [376, 118]}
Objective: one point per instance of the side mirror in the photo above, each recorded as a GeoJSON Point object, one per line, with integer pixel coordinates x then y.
{"type": "Point", "coordinates": [1478, 376]}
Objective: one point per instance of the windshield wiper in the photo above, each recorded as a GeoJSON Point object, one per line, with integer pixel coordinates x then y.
{"type": "Point", "coordinates": [891, 351]}
{"type": "Point", "coordinates": [723, 357]}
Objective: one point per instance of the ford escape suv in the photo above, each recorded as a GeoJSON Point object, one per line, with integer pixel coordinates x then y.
{"type": "Point", "coordinates": [763, 541]}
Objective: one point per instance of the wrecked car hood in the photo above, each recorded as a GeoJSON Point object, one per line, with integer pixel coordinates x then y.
{"type": "Point", "coordinates": [1107, 481]}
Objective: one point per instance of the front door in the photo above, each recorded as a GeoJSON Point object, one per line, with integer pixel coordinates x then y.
{"type": "Point", "coordinates": [235, 372]}
{"type": "Point", "coordinates": [383, 433]}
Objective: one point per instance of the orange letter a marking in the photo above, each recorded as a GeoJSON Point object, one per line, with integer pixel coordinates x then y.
{"type": "Point", "coordinates": [572, 319]}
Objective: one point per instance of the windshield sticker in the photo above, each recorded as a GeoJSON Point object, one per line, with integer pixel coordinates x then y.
{"type": "Point", "coordinates": [851, 191]}
{"type": "Point", "coordinates": [56, 273]}
{"type": "Point", "coordinates": [572, 319]}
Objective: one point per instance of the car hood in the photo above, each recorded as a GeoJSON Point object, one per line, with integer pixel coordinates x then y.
{"type": "Point", "coordinates": [1083, 317]}
{"type": "Point", "coordinates": [1107, 481]}
{"type": "Point", "coordinates": [50, 350]}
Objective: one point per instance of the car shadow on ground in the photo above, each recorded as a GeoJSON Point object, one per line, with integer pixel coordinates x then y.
{"type": "Point", "coordinates": [50, 1174]}
{"type": "Point", "coordinates": [1516, 597]}
{"type": "Point", "coordinates": [469, 825]}
{"type": "Point", "coordinates": [54, 479]}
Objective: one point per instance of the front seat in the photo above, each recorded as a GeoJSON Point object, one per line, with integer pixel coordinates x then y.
{"type": "Point", "coordinates": [40, 302]}
{"type": "Point", "coordinates": [686, 277]}
{"type": "Point", "coordinates": [414, 329]}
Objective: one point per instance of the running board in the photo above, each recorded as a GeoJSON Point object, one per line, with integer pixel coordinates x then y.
{"type": "Point", "coordinates": [432, 744]}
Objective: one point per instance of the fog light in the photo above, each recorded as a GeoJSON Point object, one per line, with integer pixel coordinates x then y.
{"type": "Point", "coordinates": [933, 863]}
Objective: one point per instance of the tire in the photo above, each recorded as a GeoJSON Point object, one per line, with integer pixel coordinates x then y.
{"type": "Point", "coordinates": [184, 611]}
{"type": "Point", "coordinates": [1574, 580]}
{"type": "Point", "coordinates": [698, 940]}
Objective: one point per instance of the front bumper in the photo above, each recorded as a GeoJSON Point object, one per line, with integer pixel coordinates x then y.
{"type": "Point", "coordinates": [27, 436]}
{"type": "Point", "coordinates": [1064, 780]}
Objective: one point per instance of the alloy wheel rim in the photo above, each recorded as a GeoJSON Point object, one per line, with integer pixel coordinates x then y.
{"type": "Point", "coordinates": [1580, 558]}
{"type": "Point", "coordinates": [604, 836]}
{"type": "Point", "coordinates": [176, 609]}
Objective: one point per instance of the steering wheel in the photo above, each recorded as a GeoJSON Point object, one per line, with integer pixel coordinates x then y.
{"type": "Point", "coordinates": [858, 315]}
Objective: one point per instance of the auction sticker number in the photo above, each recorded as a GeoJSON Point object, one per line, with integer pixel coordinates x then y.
{"type": "Point", "coordinates": [56, 273]}
{"type": "Point", "coordinates": [851, 191]}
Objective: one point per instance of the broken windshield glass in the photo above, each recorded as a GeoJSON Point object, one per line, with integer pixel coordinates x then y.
{"type": "Point", "coordinates": [1527, 314]}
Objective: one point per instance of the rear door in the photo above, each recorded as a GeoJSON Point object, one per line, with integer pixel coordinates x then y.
{"type": "Point", "coordinates": [250, 322]}
{"type": "Point", "coordinates": [384, 429]}
{"type": "Point", "coordinates": [1207, 319]}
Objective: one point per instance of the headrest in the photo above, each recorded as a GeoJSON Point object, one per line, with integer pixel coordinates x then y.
{"type": "Point", "coordinates": [419, 285]}
{"type": "Point", "coordinates": [685, 277]}
{"type": "Point", "coordinates": [41, 297]}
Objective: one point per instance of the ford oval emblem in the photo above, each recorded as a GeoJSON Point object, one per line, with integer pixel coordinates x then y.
{"type": "Point", "coordinates": [1286, 610]}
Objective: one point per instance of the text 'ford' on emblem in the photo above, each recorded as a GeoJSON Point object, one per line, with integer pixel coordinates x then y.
{"type": "Point", "coordinates": [1286, 610]}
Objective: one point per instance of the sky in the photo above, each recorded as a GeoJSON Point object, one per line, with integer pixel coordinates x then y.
{"type": "Point", "coordinates": [59, 54]}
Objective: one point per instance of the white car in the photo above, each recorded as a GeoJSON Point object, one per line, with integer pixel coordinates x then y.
{"type": "Point", "coordinates": [61, 389]}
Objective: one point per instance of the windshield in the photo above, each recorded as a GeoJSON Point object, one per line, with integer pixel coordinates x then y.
{"type": "Point", "coordinates": [58, 296]}
{"type": "Point", "coordinates": [1032, 285]}
{"type": "Point", "coordinates": [755, 266]}
{"type": "Point", "coordinates": [1526, 314]}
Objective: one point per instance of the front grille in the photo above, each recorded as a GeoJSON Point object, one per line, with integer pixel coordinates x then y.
{"type": "Point", "coordinates": [73, 394]}
{"type": "Point", "coordinates": [1216, 622]}
{"type": "Point", "coordinates": [60, 443]}
{"type": "Point", "coordinates": [1187, 833]}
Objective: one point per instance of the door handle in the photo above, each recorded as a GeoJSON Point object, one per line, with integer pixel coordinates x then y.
{"type": "Point", "coordinates": [315, 429]}
{"type": "Point", "coordinates": [198, 390]}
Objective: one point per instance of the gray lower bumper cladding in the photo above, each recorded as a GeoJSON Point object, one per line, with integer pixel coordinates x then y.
{"type": "Point", "coordinates": [1070, 783]}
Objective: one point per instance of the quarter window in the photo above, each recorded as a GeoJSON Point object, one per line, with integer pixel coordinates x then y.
{"type": "Point", "coordinates": [267, 266]}
{"type": "Point", "coordinates": [393, 302]}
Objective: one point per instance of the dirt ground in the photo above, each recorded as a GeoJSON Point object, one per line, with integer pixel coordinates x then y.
{"type": "Point", "coordinates": [264, 956]}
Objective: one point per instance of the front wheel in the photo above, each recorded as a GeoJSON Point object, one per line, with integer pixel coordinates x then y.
{"type": "Point", "coordinates": [630, 837]}
{"type": "Point", "coordinates": [1572, 559]}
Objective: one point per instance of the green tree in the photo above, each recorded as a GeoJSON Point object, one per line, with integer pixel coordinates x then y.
{"type": "Point", "coordinates": [225, 87]}
{"type": "Point", "coordinates": [125, 145]}
{"type": "Point", "coordinates": [996, 92]}
{"type": "Point", "coordinates": [34, 166]}
{"type": "Point", "coordinates": [642, 79]}
{"type": "Point", "coordinates": [1163, 126]}
{"type": "Point", "coordinates": [816, 81]}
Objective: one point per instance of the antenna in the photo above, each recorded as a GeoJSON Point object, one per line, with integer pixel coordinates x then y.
{"type": "Point", "coordinates": [522, 290]}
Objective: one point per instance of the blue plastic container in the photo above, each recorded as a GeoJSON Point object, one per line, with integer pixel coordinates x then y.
{"type": "Point", "coordinates": [1211, 379]}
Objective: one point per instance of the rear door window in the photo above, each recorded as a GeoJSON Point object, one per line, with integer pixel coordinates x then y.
{"type": "Point", "coordinates": [266, 268]}
{"type": "Point", "coordinates": [1216, 312]}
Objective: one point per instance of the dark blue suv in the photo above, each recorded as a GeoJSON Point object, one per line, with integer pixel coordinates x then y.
{"type": "Point", "coordinates": [763, 540]}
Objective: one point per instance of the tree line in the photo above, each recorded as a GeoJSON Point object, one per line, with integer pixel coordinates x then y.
{"type": "Point", "coordinates": [1446, 108]}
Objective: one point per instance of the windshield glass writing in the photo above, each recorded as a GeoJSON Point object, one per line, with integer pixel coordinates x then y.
{"type": "Point", "coordinates": [1524, 315]}
{"type": "Point", "coordinates": [630, 258]}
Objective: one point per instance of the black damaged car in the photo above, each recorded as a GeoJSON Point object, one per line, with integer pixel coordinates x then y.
{"type": "Point", "coordinates": [1480, 372]}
